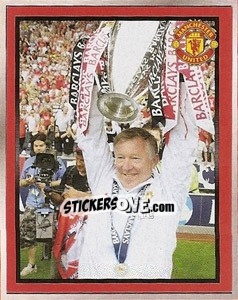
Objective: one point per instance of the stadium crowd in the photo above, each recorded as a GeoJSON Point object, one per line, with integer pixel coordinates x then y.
{"type": "Point", "coordinates": [44, 76]}
{"type": "Point", "coordinates": [45, 49]}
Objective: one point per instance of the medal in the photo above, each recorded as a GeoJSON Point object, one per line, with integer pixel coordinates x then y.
{"type": "Point", "coordinates": [149, 195]}
{"type": "Point", "coordinates": [121, 269]}
{"type": "Point", "coordinates": [121, 245]}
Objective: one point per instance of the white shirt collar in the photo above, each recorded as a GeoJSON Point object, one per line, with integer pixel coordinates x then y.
{"type": "Point", "coordinates": [136, 188]}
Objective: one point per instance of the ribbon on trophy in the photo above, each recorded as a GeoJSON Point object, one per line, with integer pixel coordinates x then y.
{"type": "Point", "coordinates": [91, 56]}
{"type": "Point", "coordinates": [158, 73]}
{"type": "Point", "coordinates": [76, 70]}
{"type": "Point", "coordinates": [197, 94]}
{"type": "Point", "coordinates": [154, 81]}
{"type": "Point", "coordinates": [196, 91]}
{"type": "Point", "coordinates": [195, 87]}
{"type": "Point", "coordinates": [170, 83]}
{"type": "Point", "coordinates": [102, 76]}
{"type": "Point", "coordinates": [103, 81]}
{"type": "Point", "coordinates": [144, 69]}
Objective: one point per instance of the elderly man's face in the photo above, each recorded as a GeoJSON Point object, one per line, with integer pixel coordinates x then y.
{"type": "Point", "coordinates": [134, 162]}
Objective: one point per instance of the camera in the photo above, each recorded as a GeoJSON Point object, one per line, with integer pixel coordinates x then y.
{"type": "Point", "coordinates": [47, 164]}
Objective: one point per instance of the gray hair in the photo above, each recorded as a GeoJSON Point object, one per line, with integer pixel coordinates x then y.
{"type": "Point", "coordinates": [136, 132]}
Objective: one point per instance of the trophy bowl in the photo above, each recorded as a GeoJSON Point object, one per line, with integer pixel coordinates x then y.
{"type": "Point", "coordinates": [118, 107]}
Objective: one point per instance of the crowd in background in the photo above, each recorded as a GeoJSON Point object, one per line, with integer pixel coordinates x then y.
{"type": "Point", "coordinates": [45, 49]}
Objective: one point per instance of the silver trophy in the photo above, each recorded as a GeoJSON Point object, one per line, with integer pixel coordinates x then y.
{"type": "Point", "coordinates": [127, 69]}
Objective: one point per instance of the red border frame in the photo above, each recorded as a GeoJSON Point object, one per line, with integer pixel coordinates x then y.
{"type": "Point", "coordinates": [225, 114]}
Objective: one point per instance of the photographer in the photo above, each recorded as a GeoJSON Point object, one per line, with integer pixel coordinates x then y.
{"type": "Point", "coordinates": [75, 176]}
{"type": "Point", "coordinates": [36, 179]}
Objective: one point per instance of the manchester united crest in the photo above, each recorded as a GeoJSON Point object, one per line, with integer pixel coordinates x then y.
{"type": "Point", "coordinates": [195, 42]}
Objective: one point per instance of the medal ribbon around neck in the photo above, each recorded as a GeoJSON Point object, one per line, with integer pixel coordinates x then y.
{"type": "Point", "coordinates": [121, 246]}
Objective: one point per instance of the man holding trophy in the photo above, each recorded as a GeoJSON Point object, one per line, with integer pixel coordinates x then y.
{"type": "Point", "coordinates": [119, 245]}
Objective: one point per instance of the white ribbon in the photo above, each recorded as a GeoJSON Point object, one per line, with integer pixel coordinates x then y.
{"type": "Point", "coordinates": [91, 56]}
{"type": "Point", "coordinates": [170, 87]}
{"type": "Point", "coordinates": [195, 87]}
{"type": "Point", "coordinates": [197, 95]}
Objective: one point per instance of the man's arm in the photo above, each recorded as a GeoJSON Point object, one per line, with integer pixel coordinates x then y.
{"type": "Point", "coordinates": [179, 155]}
{"type": "Point", "coordinates": [71, 192]}
{"type": "Point", "coordinates": [26, 178]}
{"type": "Point", "coordinates": [24, 182]}
{"type": "Point", "coordinates": [97, 155]}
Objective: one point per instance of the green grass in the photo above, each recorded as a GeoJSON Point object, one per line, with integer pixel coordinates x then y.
{"type": "Point", "coordinates": [45, 268]}
{"type": "Point", "coordinates": [192, 260]}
